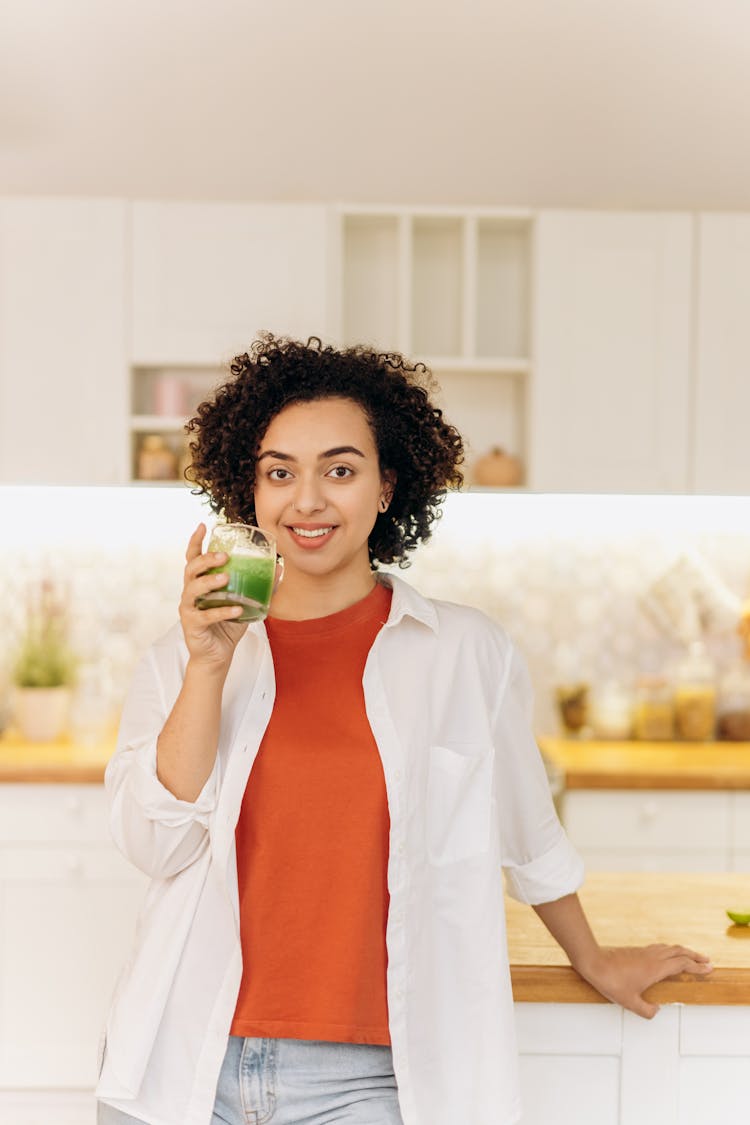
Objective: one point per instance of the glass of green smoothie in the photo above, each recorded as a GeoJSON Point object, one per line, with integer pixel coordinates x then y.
{"type": "Point", "coordinates": [251, 566]}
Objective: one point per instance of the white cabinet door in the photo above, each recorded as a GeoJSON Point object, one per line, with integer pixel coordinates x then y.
{"type": "Point", "coordinates": [722, 395]}
{"type": "Point", "coordinates": [207, 277]}
{"type": "Point", "coordinates": [63, 374]}
{"type": "Point", "coordinates": [610, 397]}
{"type": "Point", "coordinates": [68, 905]}
{"type": "Point", "coordinates": [68, 917]}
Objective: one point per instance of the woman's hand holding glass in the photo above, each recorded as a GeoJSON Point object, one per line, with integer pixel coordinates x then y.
{"type": "Point", "coordinates": [211, 635]}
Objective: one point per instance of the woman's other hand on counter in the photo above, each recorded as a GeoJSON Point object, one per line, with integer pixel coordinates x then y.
{"type": "Point", "coordinates": [620, 974]}
{"type": "Point", "coordinates": [624, 974]}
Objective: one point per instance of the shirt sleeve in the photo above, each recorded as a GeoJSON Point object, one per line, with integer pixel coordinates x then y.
{"type": "Point", "coordinates": [539, 861]}
{"type": "Point", "coordinates": [156, 831]}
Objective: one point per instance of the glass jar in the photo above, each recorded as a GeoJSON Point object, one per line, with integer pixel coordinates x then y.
{"type": "Point", "coordinates": [611, 711]}
{"type": "Point", "coordinates": [733, 707]}
{"type": "Point", "coordinates": [571, 691]}
{"type": "Point", "coordinates": [653, 709]}
{"type": "Point", "coordinates": [695, 696]}
{"type": "Point", "coordinates": [156, 461]}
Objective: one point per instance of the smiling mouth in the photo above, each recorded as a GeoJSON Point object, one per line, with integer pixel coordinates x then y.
{"type": "Point", "coordinates": [312, 533]}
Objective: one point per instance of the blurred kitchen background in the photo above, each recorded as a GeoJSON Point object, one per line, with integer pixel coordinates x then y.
{"type": "Point", "coordinates": [549, 205]}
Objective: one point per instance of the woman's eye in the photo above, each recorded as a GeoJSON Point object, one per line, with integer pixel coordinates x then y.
{"type": "Point", "coordinates": [274, 474]}
{"type": "Point", "coordinates": [340, 472]}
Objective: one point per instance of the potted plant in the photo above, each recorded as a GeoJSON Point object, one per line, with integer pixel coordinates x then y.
{"type": "Point", "coordinates": [44, 666]}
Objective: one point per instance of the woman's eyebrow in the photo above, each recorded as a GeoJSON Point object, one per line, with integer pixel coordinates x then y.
{"type": "Point", "coordinates": [335, 452]}
{"type": "Point", "coordinates": [276, 455]}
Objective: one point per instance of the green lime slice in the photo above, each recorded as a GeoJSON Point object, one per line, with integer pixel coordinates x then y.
{"type": "Point", "coordinates": [739, 917]}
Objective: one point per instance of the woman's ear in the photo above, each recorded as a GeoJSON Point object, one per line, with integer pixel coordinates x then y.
{"type": "Point", "coordinates": [388, 487]}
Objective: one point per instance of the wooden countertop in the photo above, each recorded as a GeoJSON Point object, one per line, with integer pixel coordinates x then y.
{"type": "Point", "coordinates": [584, 764]}
{"type": "Point", "coordinates": [642, 909]}
{"type": "Point", "coordinates": [590, 764]}
{"type": "Point", "coordinates": [61, 761]}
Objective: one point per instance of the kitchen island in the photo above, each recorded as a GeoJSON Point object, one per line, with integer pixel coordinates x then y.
{"type": "Point", "coordinates": [586, 1062]}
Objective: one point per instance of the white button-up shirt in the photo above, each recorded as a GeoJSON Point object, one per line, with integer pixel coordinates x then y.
{"type": "Point", "coordinates": [449, 703]}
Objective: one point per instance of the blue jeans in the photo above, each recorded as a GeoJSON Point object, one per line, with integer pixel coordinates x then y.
{"type": "Point", "coordinates": [298, 1082]}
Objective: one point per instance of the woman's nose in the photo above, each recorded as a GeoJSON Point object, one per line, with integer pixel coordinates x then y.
{"type": "Point", "coordinates": [308, 497]}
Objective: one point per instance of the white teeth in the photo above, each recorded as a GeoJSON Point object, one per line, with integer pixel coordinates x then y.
{"type": "Point", "coordinates": [311, 534]}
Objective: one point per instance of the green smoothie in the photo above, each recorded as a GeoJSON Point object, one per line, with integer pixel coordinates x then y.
{"type": "Point", "coordinates": [250, 585]}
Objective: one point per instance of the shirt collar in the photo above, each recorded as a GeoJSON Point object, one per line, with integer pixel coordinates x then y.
{"type": "Point", "coordinates": [407, 602]}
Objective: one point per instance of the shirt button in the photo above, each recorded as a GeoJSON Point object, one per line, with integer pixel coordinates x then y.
{"type": "Point", "coordinates": [400, 849]}
{"type": "Point", "coordinates": [397, 775]}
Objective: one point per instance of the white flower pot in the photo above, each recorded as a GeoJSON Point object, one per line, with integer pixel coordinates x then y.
{"type": "Point", "coordinates": [41, 714]}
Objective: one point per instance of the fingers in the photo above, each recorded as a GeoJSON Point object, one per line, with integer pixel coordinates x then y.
{"type": "Point", "coordinates": [691, 953]}
{"type": "Point", "coordinates": [677, 965]}
{"type": "Point", "coordinates": [196, 588]}
{"type": "Point", "coordinates": [219, 614]}
{"type": "Point", "coordinates": [680, 959]}
{"type": "Point", "coordinates": [643, 1008]}
{"type": "Point", "coordinates": [195, 543]}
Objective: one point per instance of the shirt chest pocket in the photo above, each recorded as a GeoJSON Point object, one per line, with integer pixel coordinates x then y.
{"type": "Point", "coordinates": [459, 802]}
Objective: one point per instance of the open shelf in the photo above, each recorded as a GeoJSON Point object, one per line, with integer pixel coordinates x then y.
{"type": "Point", "coordinates": [162, 399]}
{"type": "Point", "coordinates": [451, 288]}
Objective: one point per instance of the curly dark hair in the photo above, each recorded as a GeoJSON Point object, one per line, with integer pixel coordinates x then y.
{"type": "Point", "coordinates": [411, 435]}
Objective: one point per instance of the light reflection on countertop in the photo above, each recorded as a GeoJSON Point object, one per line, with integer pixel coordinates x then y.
{"type": "Point", "coordinates": [62, 761]}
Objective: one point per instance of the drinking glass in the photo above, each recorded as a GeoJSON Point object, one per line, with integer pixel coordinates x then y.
{"type": "Point", "coordinates": [251, 566]}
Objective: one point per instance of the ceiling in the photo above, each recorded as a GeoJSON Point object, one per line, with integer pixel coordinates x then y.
{"type": "Point", "coordinates": [573, 103]}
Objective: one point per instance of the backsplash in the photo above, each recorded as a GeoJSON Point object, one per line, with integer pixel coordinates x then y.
{"type": "Point", "coordinates": [554, 570]}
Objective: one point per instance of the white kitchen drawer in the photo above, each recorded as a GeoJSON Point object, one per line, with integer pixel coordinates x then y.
{"type": "Point", "coordinates": [47, 1107]}
{"type": "Point", "coordinates": [549, 1029]}
{"type": "Point", "coordinates": [664, 820]}
{"type": "Point", "coordinates": [715, 1031]}
{"type": "Point", "coordinates": [43, 813]}
{"type": "Point", "coordinates": [100, 863]}
{"type": "Point", "coordinates": [552, 1089]}
{"type": "Point", "coordinates": [633, 859]}
{"type": "Point", "coordinates": [741, 821]}
{"type": "Point", "coordinates": [740, 861]}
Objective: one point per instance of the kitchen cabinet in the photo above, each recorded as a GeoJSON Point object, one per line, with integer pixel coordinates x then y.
{"type": "Point", "coordinates": [68, 904]}
{"type": "Point", "coordinates": [722, 386]}
{"type": "Point", "coordinates": [610, 408]}
{"type": "Point", "coordinates": [63, 362]}
{"type": "Point", "coordinates": [651, 830]}
{"type": "Point", "coordinates": [206, 279]}
{"type": "Point", "coordinates": [661, 806]}
{"type": "Point", "coordinates": [452, 288]}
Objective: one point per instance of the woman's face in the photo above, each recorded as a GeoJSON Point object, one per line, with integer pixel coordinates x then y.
{"type": "Point", "coordinates": [318, 485]}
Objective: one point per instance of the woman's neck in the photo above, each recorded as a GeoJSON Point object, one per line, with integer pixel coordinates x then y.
{"type": "Point", "coordinates": [303, 597]}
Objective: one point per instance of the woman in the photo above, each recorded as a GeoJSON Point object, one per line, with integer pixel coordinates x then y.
{"type": "Point", "coordinates": [324, 801]}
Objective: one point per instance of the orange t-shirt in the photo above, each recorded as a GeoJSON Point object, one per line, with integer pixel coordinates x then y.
{"type": "Point", "coordinates": [312, 842]}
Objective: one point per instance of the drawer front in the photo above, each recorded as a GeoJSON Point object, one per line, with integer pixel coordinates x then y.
{"type": "Point", "coordinates": [658, 819]}
{"type": "Point", "coordinates": [631, 859]}
{"type": "Point", "coordinates": [41, 813]}
{"type": "Point", "coordinates": [741, 821]}
{"type": "Point", "coordinates": [68, 863]}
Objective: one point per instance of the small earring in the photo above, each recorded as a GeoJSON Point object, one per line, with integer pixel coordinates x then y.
{"type": "Point", "coordinates": [383, 505]}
